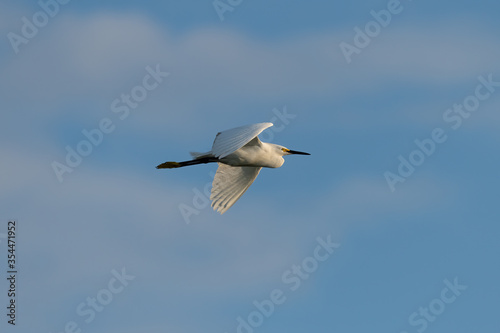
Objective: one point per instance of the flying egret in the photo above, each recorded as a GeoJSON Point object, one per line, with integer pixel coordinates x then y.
{"type": "Point", "coordinates": [240, 155]}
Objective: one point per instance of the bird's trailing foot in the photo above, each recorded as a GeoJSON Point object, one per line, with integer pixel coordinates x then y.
{"type": "Point", "coordinates": [169, 165]}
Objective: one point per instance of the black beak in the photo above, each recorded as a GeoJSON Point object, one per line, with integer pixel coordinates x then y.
{"type": "Point", "coordinates": [294, 152]}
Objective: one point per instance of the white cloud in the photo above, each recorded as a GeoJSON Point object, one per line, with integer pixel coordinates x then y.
{"type": "Point", "coordinates": [98, 220]}
{"type": "Point", "coordinates": [91, 60]}
{"type": "Point", "coordinates": [441, 52]}
{"type": "Point", "coordinates": [102, 217]}
{"type": "Point", "coordinates": [83, 58]}
{"type": "Point", "coordinates": [360, 201]}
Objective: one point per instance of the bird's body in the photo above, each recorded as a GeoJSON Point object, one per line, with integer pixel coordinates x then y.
{"type": "Point", "coordinates": [240, 155]}
{"type": "Point", "coordinates": [255, 153]}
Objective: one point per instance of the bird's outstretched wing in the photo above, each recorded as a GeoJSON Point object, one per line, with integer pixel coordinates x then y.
{"type": "Point", "coordinates": [229, 141]}
{"type": "Point", "coordinates": [229, 185]}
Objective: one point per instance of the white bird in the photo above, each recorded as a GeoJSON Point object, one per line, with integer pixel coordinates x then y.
{"type": "Point", "coordinates": [240, 155]}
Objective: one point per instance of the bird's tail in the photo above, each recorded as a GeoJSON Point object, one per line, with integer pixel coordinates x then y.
{"type": "Point", "coordinates": [172, 165]}
{"type": "Point", "coordinates": [197, 155]}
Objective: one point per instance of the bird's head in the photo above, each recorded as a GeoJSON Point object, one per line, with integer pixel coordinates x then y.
{"type": "Point", "coordinates": [285, 151]}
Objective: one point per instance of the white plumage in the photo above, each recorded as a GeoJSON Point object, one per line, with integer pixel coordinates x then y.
{"type": "Point", "coordinates": [229, 185]}
{"type": "Point", "coordinates": [229, 141]}
{"type": "Point", "coordinates": [240, 155]}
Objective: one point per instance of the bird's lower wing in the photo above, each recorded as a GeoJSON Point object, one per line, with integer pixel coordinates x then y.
{"type": "Point", "coordinates": [229, 185]}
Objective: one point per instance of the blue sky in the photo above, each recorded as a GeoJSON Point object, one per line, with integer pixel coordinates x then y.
{"type": "Point", "coordinates": [112, 229]}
